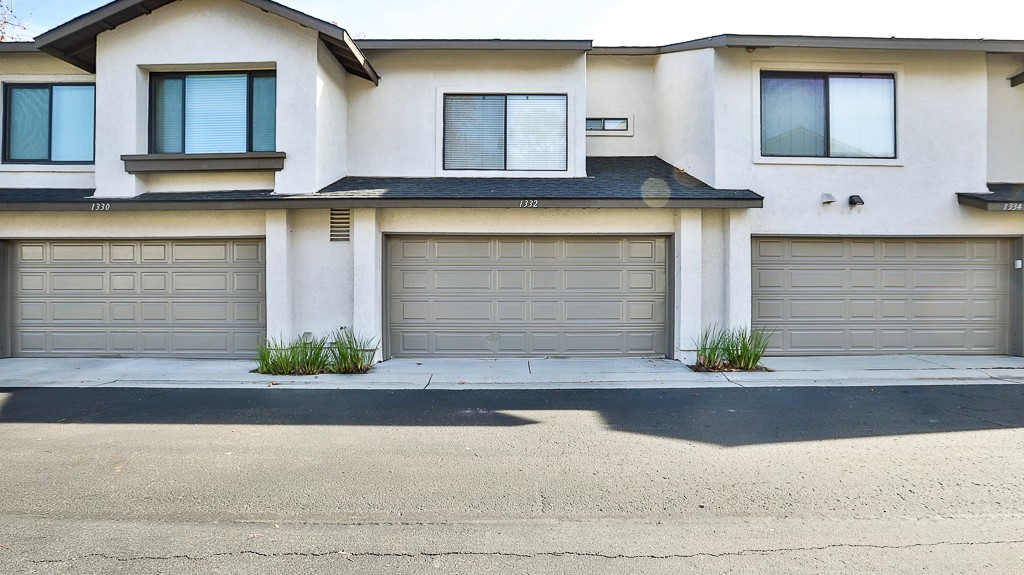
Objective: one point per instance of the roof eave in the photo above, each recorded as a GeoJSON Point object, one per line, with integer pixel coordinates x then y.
{"type": "Point", "coordinates": [87, 24]}
{"type": "Point", "coordinates": [479, 44]}
{"type": "Point", "coordinates": [822, 42]}
{"type": "Point", "coordinates": [23, 47]}
{"type": "Point", "coordinates": [313, 201]}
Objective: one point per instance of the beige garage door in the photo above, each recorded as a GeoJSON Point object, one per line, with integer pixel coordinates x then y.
{"type": "Point", "coordinates": [883, 295]}
{"type": "Point", "coordinates": [190, 298]}
{"type": "Point", "coordinates": [527, 296]}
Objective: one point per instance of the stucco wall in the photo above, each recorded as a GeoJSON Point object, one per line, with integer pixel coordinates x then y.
{"type": "Point", "coordinates": [622, 87]}
{"type": "Point", "coordinates": [103, 225]}
{"type": "Point", "coordinates": [1005, 119]}
{"type": "Point", "coordinates": [395, 129]}
{"type": "Point", "coordinates": [16, 68]}
{"type": "Point", "coordinates": [941, 143]}
{"type": "Point", "coordinates": [331, 118]}
{"type": "Point", "coordinates": [685, 104]}
{"type": "Point", "coordinates": [193, 35]}
{"type": "Point", "coordinates": [321, 274]}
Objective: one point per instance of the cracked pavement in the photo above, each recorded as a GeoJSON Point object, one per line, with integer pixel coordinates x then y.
{"type": "Point", "coordinates": [777, 480]}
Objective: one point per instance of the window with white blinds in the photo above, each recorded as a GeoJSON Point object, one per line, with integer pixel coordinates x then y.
{"type": "Point", "coordinates": [518, 132]}
{"type": "Point", "coordinates": [213, 113]}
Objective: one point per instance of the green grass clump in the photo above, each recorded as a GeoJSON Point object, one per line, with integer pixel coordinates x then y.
{"type": "Point", "coordinates": [351, 353]}
{"type": "Point", "coordinates": [341, 352]}
{"type": "Point", "coordinates": [722, 349]}
{"type": "Point", "coordinates": [711, 348]}
{"type": "Point", "coordinates": [745, 347]}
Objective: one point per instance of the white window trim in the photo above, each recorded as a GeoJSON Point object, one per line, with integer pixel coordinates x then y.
{"type": "Point", "coordinates": [570, 120]}
{"type": "Point", "coordinates": [628, 132]}
{"type": "Point", "coordinates": [898, 72]}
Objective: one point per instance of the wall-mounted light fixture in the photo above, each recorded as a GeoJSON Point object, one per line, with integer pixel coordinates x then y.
{"type": "Point", "coordinates": [856, 201]}
{"type": "Point", "coordinates": [827, 198]}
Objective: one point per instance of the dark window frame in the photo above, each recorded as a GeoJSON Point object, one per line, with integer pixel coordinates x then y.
{"type": "Point", "coordinates": [250, 74]}
{"type": "Point", "coordinates": [828, 121]}
{"type": "Point", "coordinates": [505, 95]}
{"type": "Point", "coordinates": [6, 156]}
{"type": "Point", "coordinates": [604, 124]}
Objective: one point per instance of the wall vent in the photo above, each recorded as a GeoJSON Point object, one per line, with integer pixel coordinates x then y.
{"type": "Point", "coordinates": [341, 225]}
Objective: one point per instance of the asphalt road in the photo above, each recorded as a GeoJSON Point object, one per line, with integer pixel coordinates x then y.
{"type": "Point", "coordinates": [269, 480]}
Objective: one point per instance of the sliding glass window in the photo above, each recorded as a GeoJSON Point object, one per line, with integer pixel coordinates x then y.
{"type": "Point", "coordinates": [828, 115]}
{"type": "Point", "coordinates": [518, 132]}
{"type": "Point", "coordinates": [213, 113]}
{"type": "Point", "coordinates": [49, 123]}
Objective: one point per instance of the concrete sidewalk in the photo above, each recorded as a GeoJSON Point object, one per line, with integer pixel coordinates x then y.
{"type": "Point", "coordinates": [521, 373]}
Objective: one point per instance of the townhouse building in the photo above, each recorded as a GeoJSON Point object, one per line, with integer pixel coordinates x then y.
{"type": "Point", "coordinates": [181, 178]}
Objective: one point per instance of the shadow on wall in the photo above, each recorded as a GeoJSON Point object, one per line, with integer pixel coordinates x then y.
{"type": "Point", "coordinates": [727, 417]}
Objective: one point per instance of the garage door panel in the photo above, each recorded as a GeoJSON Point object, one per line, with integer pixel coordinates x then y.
{"type": "Point", "coordinates": [460, 280]}
{"type": "Point", "coordinates": [77, 341]}
{"type": "Point", "coordinates": [545, 280]}
{"type": "Point", "coordinates": [124, 312]}
{"type": "Point", "coordinates": [247, 282]}
{"type": "Point", "coordinates": [154, 253]}
{"type": "Point", "coordinates": [78, 253]}
{"type": "Point", "coordinates": [200, 311]}
{"type": "Point", "coordinates": [816, 309]}
{"type": "Point", "coordinates": [509, 280]}
{"type": "Point", "coordinates": [462, 342]}
{"type": "Point", "coordinates": [79, 282]}
{"type": "Point", "coordinates": [515, 296]}
{"type": "Point", "coordinates": [816, 278]}
{"type": "Point", "coordinates": [548, 311]}
{"type": "Point", "coordinates": [511, 251]}
{"type": "Point", "coordinates": [78, 311]}
{"type": "Point", "coordinates": [457, 249]}
{"type": "Point", "coordinates": [202, 253]}
{"type": "Point", "coordinates": [121, 253]}
{"type": "Point", "coordinates": [817, 249]}
{"type": "Point", "coordinates": [30, 252]}
{"type": "Point", "coordinates": [30, 312]}
{"type": "Point", "coordinates": [585, 251]}
{"type": "Point", "coordinates": [594, 280]}
{"type": "Point", "coordinates": [512, 311]}
{"type": "Point", "coordinates": [941, 250]}
{"type": "Point", "coordinates": [915, 295]}
{"type": "Point", "coordinates": [128, 298]}
{"type": "Point", "coordinates": [194, 281]}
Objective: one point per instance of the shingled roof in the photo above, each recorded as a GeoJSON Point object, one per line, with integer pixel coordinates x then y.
{"type": "Point", "coordinates": [622, 182]}
{"type": "Point", "coordinates": [639, 181]}
{"type": "Point", "coordinates": [1002, 197]}
{"type": "Point", "coordinates": [75, 41]}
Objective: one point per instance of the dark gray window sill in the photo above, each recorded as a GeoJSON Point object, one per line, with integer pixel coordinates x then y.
{"type": "Point", "coordinates": [168, 163]}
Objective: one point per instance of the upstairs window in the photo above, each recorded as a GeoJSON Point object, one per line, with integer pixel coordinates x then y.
{"type": "Point", "coordinates": [607, 124]}
{"type": "Point", "coordinates": [49, 123]}
{"type": "Point", "coordinates": [828, 115]}
{"type": "Point", "coordinates": [525, 132]}
{"type": "Point", "coordinates": [213, 113]}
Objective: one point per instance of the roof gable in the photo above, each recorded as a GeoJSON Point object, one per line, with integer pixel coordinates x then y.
{"type": "Point", "coordinates": [75, 41]}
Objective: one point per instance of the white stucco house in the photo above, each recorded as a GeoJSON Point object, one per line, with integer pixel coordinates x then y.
{"type": "Point", "coordinates": [184, 177]}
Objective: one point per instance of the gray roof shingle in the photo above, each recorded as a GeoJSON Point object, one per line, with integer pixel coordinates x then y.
{"type": "Point", "coordinates": [608, 178]}
{"type": "Point", "coordinates": [611, 182]}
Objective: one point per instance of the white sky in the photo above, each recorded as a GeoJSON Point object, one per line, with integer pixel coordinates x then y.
{"type": "Point", "coordinates": [627, 22]}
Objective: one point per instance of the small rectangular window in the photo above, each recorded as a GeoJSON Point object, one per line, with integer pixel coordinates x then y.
{"type": "Point", "coordinates": [607, 124]}
{"type": "Point", "coordinates": [49, 123]}
{"type": "Point", "coordinates": [828, 115]}
{"type": "Point", "coordinates": [207, 113]}
{"type": "Point", "coordinates": [522, 132]}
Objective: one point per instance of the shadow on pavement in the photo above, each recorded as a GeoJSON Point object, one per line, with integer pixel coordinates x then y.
{"type": "Point", "coordinates": [729, 417]}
